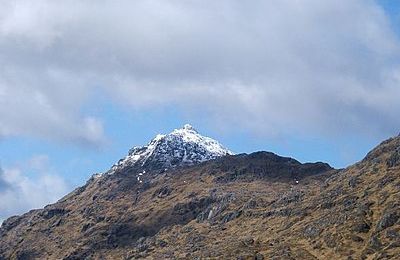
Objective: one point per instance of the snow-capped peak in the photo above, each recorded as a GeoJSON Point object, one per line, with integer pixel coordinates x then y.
{"type": "Point", "coordinates": [182, 147]}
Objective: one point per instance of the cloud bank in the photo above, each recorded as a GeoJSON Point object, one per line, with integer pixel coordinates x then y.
{"type": "Point", "coordinates": [32, 184]}
{"type": "Point", "coordinates": [272, 67]}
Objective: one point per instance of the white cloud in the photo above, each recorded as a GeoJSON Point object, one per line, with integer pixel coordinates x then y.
{"type": "Point", "coordinates": [274, 66]}
{"type": "Point", "coordinates": [45, 104]}
{"type": "Point", "coordinates": [31, 184]}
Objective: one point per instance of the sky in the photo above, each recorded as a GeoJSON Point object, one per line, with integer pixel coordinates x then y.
{"type": "Point", "coordinates": [81, 82]}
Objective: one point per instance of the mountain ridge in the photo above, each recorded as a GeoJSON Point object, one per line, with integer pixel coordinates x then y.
{"type": "Point", "coordinates": [246, 206]}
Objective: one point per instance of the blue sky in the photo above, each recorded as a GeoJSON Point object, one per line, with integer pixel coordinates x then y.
{"type": "Point", "coordinates": [82, 83]}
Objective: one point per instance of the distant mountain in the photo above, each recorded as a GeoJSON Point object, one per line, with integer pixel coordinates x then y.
{"type": "Point", "coordinates": [184, 196]}
{"type": "Point", "coordinates": [182, 147]}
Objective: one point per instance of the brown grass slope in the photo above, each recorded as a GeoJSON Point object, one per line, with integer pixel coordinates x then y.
{"type": "Point", "coordinates": [236, 207]}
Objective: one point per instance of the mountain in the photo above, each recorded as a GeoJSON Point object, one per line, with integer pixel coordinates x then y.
{"type": "Point", "coordinates": [245, 206]}
{"type": "Point", "coordinates": [182, 147]}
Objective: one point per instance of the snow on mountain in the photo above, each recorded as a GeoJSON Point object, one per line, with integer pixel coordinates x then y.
{"type": "Point", "coordinates": [181, 147]}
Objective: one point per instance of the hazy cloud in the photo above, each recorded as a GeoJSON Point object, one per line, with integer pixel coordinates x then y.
{"type": "Point", "coordinates": [274, 66]}
{"type": "Point", "coordinates": [32, 184]}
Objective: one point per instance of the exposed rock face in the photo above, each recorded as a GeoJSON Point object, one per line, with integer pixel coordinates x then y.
{"type": "Point", "coordinates": [257, 206]}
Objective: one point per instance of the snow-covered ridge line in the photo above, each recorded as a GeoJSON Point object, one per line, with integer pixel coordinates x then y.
{"type": "Point", "coordinates": [182, 147]}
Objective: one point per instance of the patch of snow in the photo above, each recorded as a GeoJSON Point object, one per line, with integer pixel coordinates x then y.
{"type": "Point", "coordinates": [96, 176]}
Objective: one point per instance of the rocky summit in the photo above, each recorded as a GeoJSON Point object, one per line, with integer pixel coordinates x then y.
{"type": "Point", "coordinates": [182, 147]}
{"type": "Point", "coordinates": [185, 196]}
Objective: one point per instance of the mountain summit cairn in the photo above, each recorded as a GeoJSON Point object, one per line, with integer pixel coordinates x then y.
{"type": "Point", "coordinates": [189, 128]}
{"type": "Point", "coordinates": [182, 147]}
